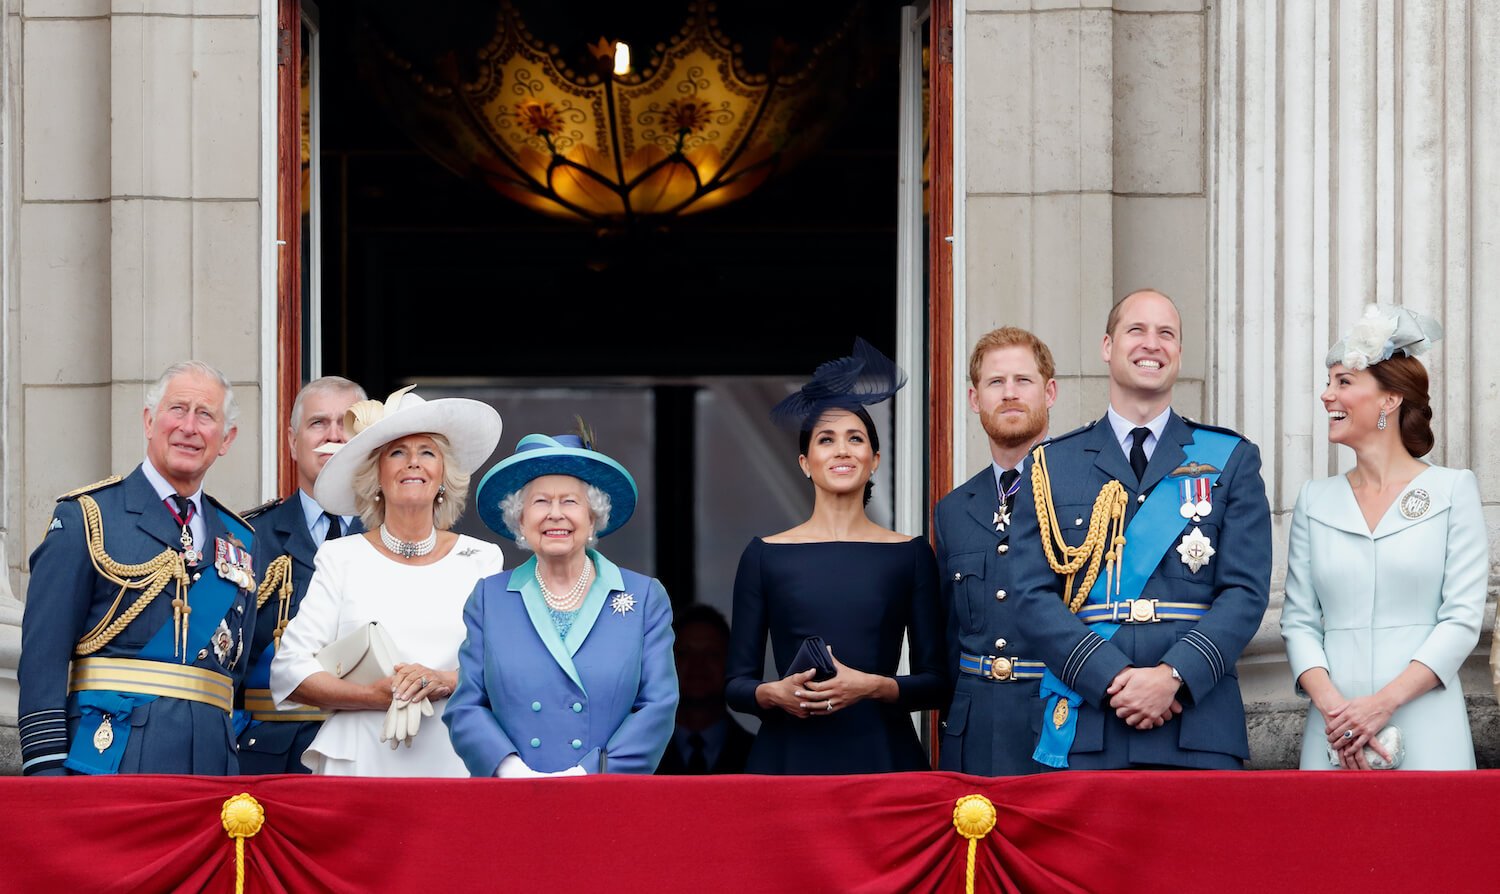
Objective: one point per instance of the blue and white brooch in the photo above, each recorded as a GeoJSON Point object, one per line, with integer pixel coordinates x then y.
{"type": "Point", "coordinates": [622, 603]}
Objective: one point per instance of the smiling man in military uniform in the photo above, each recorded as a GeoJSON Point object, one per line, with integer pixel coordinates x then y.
{"type": "Point", "coordinates": [145, 584]}
{"type": "Point", "coordinates": [990, 725]}
{"type": "Point", "coordinates": [287, 536]}
{"type": "Point", "coordinates": [1142, 563]}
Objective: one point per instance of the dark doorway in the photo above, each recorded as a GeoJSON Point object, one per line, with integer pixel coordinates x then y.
{"type": "Point", "coordinates": [431, 277]}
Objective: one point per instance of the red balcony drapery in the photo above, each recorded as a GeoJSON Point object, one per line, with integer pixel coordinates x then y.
{"type": "Point", "coordinates": [1094, 832]}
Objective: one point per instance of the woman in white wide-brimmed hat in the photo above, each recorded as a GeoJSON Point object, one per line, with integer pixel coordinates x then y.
{"type": "Point", "coordinates": [405, 471]}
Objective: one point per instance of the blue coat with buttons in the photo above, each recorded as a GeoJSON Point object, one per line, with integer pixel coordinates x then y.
{"type": "Point", "coordinates": [604, 698]}
{"type": "Point", "coordinates": [991, 726]}
{"type": "Point", "coordinates": [1210, 733]}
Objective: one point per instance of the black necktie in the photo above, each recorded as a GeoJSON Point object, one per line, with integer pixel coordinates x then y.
{"type": "Point", "coordinates": [1007, 481]}
{"type": "Point", "coordinates": [697, 762]}
{"type": "Point", "coordinates": [1138, 451]}
{"type": "Point", "coordinates": [335, 530]}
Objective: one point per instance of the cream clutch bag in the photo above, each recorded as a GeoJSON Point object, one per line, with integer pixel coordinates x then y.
{"type": "Point", "coordinates": [365, 656]}
{"type": "Point", "coordinates": [1390, 739]}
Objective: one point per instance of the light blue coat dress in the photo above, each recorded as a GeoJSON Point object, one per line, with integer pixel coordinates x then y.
{"type": "Point", "coordinates": [609, 687]}
{"type": "Point", "coordinates": [1363, 605]}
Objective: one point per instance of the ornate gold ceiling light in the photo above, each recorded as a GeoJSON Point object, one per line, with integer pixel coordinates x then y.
{"type": "Point", "coordinates": [690, 130]}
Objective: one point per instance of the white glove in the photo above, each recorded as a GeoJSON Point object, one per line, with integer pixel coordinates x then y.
{"type": "Point", "coordinates": [402, 720]}
{"type": "Point", "coordinates": [393, 718]}
{"type": "Point", "coordinates": [571, 771]}
{"type": "Point", "coordinates": [515, 768]}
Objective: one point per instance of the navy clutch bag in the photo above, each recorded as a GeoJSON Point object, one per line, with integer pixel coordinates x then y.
{"type": "Point", "coordinates": [813, 655]}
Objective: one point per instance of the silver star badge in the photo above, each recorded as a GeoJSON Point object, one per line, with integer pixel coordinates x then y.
{"type": "Point", "coordinates": [622, 603]}
{"type": "Point", "coordinates": [1195, 550]}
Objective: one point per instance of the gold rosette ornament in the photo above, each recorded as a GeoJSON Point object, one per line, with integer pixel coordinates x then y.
{"type": "Point", "coordinates": [973, 818]}
{"type": "Point", "coordinates": [242, 817]}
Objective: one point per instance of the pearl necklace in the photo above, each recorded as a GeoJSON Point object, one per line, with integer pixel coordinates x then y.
{"type": "Point", "coordinates": [409, 549]}
{"type": "Point", "coordinates": [574, 597]}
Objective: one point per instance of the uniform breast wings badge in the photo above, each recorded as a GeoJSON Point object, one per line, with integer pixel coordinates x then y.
{"type": "Point", "coordinates": [1195, 550]}
{"type": "Point", "coordinates": [1415, 503]}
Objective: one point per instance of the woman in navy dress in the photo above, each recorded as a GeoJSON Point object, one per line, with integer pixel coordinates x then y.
{"type": "Point", "coordinates": [841, 577]}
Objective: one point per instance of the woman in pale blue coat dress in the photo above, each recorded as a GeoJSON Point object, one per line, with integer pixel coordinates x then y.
{"type": "Point", "coordinates": [567, 669]}
{"type": "Point", "coordinates": [1387, 565]}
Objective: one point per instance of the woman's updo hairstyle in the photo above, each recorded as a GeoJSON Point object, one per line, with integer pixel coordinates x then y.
{"type": "Point", "coordinates": [1407, 377]}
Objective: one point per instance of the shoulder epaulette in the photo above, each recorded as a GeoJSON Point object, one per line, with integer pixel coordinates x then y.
{"type": "Point", "coordinates": [231, 513]}
{"type": "Point", "coordinates": [267, 506]}
{"type": "Point", "coordinates": [1218, 428]}
{"type": "Point", "coordinates": [1066, 435]}
{"type": "Point", "coordinates": [90, 488]}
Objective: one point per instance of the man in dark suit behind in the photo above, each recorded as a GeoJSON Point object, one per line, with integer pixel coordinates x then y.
{"type": "Point", "coordinates": [707, 738]}
{"type": "Point", "coordinates": [288, 534]}
{"type": "Point", "coordinates": [989, 728]}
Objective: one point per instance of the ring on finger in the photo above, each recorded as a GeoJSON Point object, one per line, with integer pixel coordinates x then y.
{"type": "Point", "coordinates": [1348, 734]}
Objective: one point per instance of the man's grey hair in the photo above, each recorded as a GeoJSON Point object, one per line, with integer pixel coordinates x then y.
{"type": "Point", "coordinates": [158, 391]}
{"type": "Point", "coordinates": [514, 503]}
{"type": "Point", "coordinates": [322, 386]}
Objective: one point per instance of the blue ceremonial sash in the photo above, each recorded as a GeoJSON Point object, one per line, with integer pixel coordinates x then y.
{"type": "Point", "coordinates": [210, 598]}
{"type": "Point", "coordinates": [1150, 534]}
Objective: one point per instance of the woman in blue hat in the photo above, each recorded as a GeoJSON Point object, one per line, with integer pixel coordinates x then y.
{"type": "Point", "coordinates": [567, 668]}
{"type": "Point", "coordinates": [838, 583]}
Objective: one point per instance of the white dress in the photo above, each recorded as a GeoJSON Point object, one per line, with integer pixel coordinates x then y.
{"type": "Point", "coordinates": [421, 607]}
{"type": "Point", "coordinates": [1363, 605]}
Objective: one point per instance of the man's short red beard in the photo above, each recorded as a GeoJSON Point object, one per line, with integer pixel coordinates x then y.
{"type": "Point", "coordinates": [1011, 432]}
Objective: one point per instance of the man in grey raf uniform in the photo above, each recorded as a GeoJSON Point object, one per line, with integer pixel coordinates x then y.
{"type": "Point", "coordinates": [146, 586]}
{"type": "Point", "coordinates": [288, 534]}
{"type": "Point", "coordinates": [1142, 568]}
{"type": "Point", "coordinates": [990, 729]}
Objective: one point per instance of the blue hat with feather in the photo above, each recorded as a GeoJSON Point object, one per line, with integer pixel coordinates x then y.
{"type": "Point", "coordinates": [573, 454]}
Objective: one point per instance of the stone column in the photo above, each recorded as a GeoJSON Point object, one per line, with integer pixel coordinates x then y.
{"type": "Point", "coordinates": [1083, 178]}
{"type": "Point", "coordinates": [1351, 144]}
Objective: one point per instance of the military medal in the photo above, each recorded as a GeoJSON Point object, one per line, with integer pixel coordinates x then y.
{"type": "Point", "coordinates": [1415, 503]}
{"type": "Point", "coordinates": [1195, 550]}
{"type": "Point", "coordinates": [104, 736]}
{"type": "Point", "coordinates": [1060, 713]}
{"type": "Point", "coordinates": [190, 554]}
{"type": "Point", "coordinates": [1197, 498]}
{"type": "Point", "coordinates": [233, 564]}
{"type": "Point", "coordinates": [1001, 520]}
{"type": "Point", "coordinates": [222, 642]}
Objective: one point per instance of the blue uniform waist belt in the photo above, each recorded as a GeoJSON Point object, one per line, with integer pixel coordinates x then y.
{"type": "Point", "coordinates": [1001, 669]}
{"type": "Point", "coordinates": [261, 707]}
{"type": "Point", "coordinates": [1145, 610]}
{"type": "Point", "coordinates": [153, 678]}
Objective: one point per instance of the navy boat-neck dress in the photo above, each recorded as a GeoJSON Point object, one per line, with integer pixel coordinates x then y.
{"type": "Point", "coordinates": [860, 597]}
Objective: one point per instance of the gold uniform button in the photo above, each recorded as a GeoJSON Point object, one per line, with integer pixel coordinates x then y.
{"type": "Point", "coordinates": [999, 644]}
{"type": "Point", "coordinates": [1140, 498]}
{"type": "Point", "coordinates": [1000, 595]}
{"type": "Point", "coordinates": [1078, 521]}
{"type": "Point", "coordinates": [958, 575]}
{"type": "Point", "coordinates": [1002, 549]}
